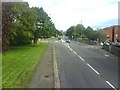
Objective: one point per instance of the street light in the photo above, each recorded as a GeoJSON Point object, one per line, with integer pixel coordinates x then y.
{"type": "Point", "coordinates": [72, 37]}
{"type": "Point", "coordinates": [81, 30]}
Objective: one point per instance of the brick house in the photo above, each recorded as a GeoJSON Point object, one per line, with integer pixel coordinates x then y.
{"type": "Point", "coordinates": [112, 33]}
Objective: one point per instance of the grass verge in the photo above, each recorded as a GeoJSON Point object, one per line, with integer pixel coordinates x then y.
{"type": "Point", "coordinates": [19, 63]}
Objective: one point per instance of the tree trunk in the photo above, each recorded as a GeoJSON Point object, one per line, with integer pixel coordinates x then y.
{"type": "Point", "coordinates": [35, 40]}
{"type": "Point", "coordinates": [6, 24]}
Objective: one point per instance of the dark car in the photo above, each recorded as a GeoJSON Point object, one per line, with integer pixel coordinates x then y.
{"type": "Point", "coordinates": [59, 38]}
{"type": "Point", "coordinates": [68, 41]}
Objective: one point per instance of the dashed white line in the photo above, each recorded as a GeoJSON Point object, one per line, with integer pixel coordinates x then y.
{"type": "Point", "coordinates": [89, 66]}
{"type": "Point", "coordinates": [106, 55]}
{"type": "Point", "coordinates": [56, 41]}
{"type": "Point", "coordinates": [62, 40]}
{"type": "Point", "coordinates": [74, 52]}
{"type": "Point", "coordinates": [81, 58]}
{"type": "Point", "coordinates": [93, 68]}
{"type": "Point", "coordinates": [111, 85]}
{"type": "Point", "coordinates": [71, 49]}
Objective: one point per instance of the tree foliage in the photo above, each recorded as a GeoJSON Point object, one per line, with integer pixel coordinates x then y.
{"type": "Point", "coordinates": [24, 20]}
{"type": "Point", "coordinates": [6, 24]}
{"type": "Point", "coordinates": [22, 24]}
{"type": "Point", "coordinates": [79, 28]}
{"type": "Point", "coordinates": [79, 31]}
{"type": "Point", "coordinates": [28, 24]}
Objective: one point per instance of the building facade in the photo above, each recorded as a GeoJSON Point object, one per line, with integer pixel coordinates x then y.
{"type": "Point", "coordinates": [112, 33]}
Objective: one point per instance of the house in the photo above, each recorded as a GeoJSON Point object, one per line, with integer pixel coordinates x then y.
{"type": "Point", "coordinates": [112, 33]}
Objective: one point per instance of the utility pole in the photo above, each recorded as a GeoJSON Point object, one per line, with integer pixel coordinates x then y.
{"type": "Point", "coordinates": [81, 22]}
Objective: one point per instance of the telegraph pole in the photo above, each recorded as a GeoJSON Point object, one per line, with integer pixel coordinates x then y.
{"type": "Point", "coordinates": [81, 21]}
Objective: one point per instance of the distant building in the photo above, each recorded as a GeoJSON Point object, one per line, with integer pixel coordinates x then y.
{"type": "Point", "coordinates": [112, 33]}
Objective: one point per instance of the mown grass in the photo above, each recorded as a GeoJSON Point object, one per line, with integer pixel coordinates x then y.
{"type": "Point", "coordinates": [19, 63]}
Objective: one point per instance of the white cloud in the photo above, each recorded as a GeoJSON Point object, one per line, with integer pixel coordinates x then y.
{"type": "Point", "coordinates": [65, 13]}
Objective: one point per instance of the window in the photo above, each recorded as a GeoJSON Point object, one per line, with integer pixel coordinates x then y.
{"type": "Point", "coordinates": [116, 35]}
{"type": "Point", "coordinates": [116, 30]}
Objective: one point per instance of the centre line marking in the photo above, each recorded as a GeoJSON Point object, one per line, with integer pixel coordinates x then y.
{"type": "Point", "coordinates": [111, 85]}
{"type": "Point", "coordinates": [70, 49]}
{"type": "Point", "coordinates": [74, 52]}
{"type": "Point", "coordinates": [106, 55]}
{"type": "Point", "coordinates": [81, 58]}
{"type": "Point", "coordinates": [92, 68]}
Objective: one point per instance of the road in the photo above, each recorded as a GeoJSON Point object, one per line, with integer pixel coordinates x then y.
{"type": "Point", "coordinates": [85, 66]}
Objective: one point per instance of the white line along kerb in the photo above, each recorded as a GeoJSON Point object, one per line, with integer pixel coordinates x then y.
{"type": "Point", "coordinates": [92, 68]}
{"type": "Point", "coordinates": [56, 75]}
{"type": "Point", "coordinates": [111, 85]}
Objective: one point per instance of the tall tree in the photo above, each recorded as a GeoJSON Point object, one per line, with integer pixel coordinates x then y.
{"type": "Point", "coordinates": [88, 32]}
{"type": "Point", "coordinates": [91, 34]}
{"type": "Point", "coordinates": [6, 24]}
{"type": "Point", "coordinates": [79, 30]}
{"type": "Point", "coordinates": [45, 26]}
{"type": "Point", "coordinates": [70, 31]}
{"type": "Point", "coordinates": [25, 20]}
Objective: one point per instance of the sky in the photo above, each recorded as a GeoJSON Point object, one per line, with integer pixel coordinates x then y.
{"type": "Point", "coordinates": [94, 13]}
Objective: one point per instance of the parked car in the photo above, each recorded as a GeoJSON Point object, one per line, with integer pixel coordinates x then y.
{"type": "Point", "coordinates": [68, 41]}
{"type": "Point", "coordinates": [59, 38]}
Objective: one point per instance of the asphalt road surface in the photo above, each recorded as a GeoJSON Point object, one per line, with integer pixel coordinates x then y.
{"type": "Point", "coordinates": [85, 66]}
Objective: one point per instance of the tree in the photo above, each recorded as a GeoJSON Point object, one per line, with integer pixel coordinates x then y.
{"type": "Point", "coordinates": [45, 25]}
{"type": "Point", "coordinates": [70, 31]}
{"type": "Point", "coordinates": [6, 24]}
{"type": "Point", "coordinates": [79, 28]}
{"type": "Point", "coordinates": [25, 20]}
{"type": "Point", "coordinates": [88, 32]}
{"type": "Point", "coordinates": [29, 24]}
{"type": "Point", "coordinates": [103, 36]}
{"type": "Point", "coordinates": [91, 34]}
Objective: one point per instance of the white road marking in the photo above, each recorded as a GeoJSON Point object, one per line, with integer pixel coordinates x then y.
{"type": "Point", "coordinates": [68, 46]}
{"type": "Point", "coordinates": [71, 49]}
{"type": "Point", "coordinates": [111, 85]}
{"type": "Point", "coordinates": [107, 55]}
{"type": "Point", "coordinates": [74, 52]}
{"type": "Point", "coordinates": [56, 41]}
{"type": "Point", "coordinates": [62, 40]}
{"type": "Point", "coordinates": [93, 68]}
{"type": "Point", "coordinates": [81, 58]}
{"type": "Point", "coordinates": [55, 67]}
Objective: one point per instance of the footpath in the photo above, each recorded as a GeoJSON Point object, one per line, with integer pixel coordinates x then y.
{"type": "Point", "coordinates": [44, 74]}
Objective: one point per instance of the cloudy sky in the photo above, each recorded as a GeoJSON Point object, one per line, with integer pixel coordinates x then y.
{"type": "Point", "coordinates": [94, 13]}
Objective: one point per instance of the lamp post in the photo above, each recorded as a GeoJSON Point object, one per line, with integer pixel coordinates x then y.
{"type": "Point", "coordinates": [72, 37]}
{"type": "Point", "coordinates": [81, 30]}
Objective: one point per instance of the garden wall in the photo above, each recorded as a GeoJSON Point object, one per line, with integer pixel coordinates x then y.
{"type": "Point", "coordinates": [112, 49]}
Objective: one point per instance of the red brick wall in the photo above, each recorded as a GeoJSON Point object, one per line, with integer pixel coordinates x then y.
{"type": "Point", "coordinates": [109, 30]}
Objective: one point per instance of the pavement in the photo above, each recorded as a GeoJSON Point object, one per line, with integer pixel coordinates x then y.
{"type": "Point", "coordinates": [44, 74]}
